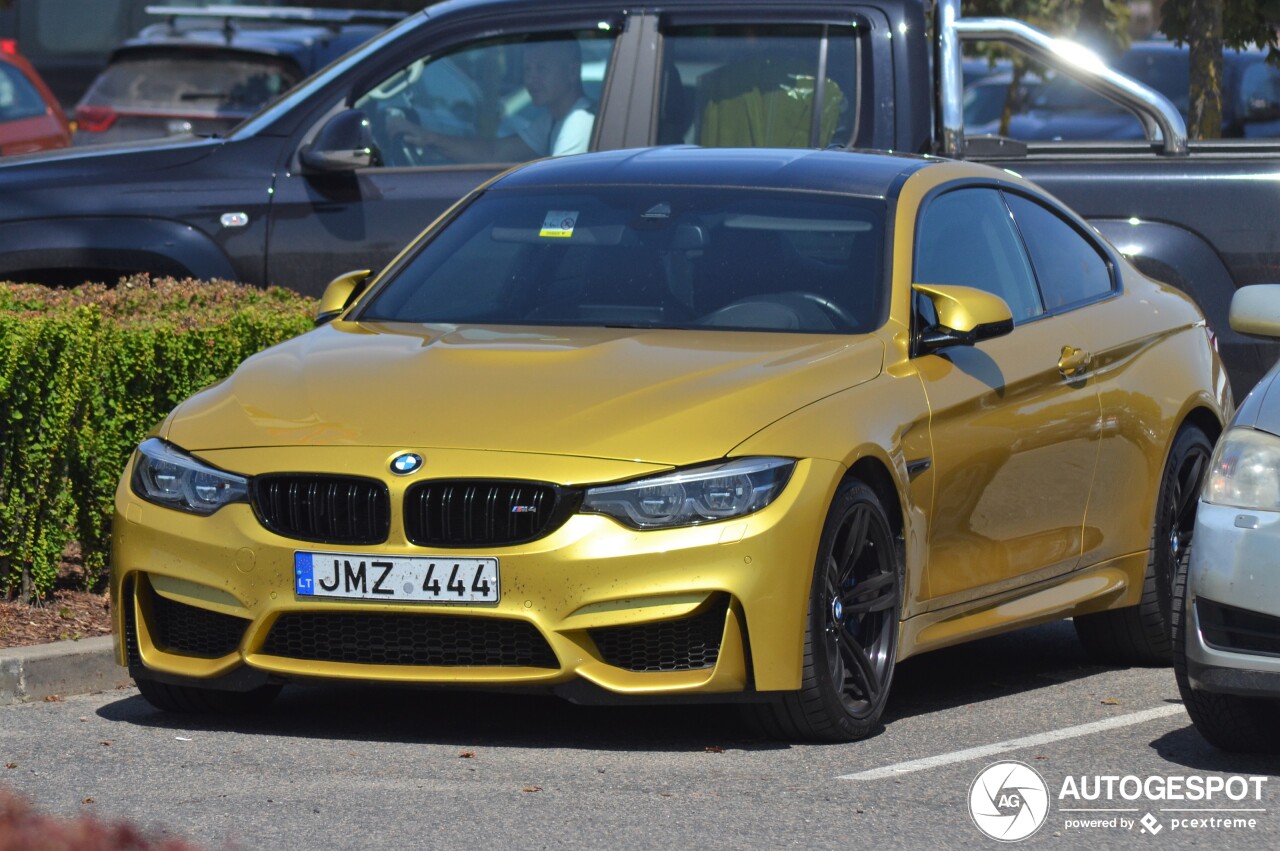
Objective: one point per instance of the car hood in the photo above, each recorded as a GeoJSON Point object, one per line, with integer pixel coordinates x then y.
{"type": "Point", "coordinates": [1261, 408]}
{"type": "Point", "coordinates": [1074, 124]}
{"type": "Point", "coordinates": [661, 396]}
{"type": "Point", "coordinates": [94, 160]}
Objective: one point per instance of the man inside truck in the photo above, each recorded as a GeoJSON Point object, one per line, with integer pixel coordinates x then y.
{"type": "Point", "coordinates": [553, 78]}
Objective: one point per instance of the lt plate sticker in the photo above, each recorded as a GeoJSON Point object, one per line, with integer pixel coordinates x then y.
{"type": "Point", "coordinates": [559, 224]}
{"type": "Point", "coordinates": [362, 576]}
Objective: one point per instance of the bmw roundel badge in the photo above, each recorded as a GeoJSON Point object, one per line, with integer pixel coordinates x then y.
{"type": "Point", "coordinates": [405, 463]}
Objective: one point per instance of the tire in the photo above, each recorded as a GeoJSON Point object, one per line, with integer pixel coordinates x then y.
{"type": "Point", "coordinates": [1229, 722]}
{"type": "Point", "coordinates": [193, 700]}
{"type": "Point", "coordinates": [1141, 634]}
{"type": "Point", "coordinates": [851, 630]}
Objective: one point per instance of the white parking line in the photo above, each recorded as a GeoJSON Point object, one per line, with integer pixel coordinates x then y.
{"type": "Point", "coordinates": [898, 769]}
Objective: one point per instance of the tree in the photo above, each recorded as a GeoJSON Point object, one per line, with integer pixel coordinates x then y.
{"type": "Point", "coordinates": [1101, 24]}
{"type": "Point", "coordinates": [1207, 26]}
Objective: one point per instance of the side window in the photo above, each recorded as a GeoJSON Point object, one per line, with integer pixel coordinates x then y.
{"type": "Point", "coordinates": [1069, 268]}
{"type": "Point", "coordinates": [503, 100]}
{"type": "Point", "coordinates": [1258, 104]}
{"type": "Point", "coordinates": [967, 237]}
{"type": "Point", "coordinates": [757, 86]}
{"type": "Point", "coordinates": [18, 98]}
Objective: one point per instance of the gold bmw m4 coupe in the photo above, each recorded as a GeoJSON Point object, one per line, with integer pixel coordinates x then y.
{"type": "Point", "coordinates": [741, 426]}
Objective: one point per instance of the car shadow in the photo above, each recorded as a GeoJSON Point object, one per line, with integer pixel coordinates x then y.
{"type": "Point", "coordinates": [992, 668]}
{"type": "Point", "coordinates": [1188, 748]}
{"type": "Point", "coordinates": [1038, 657]}
{"type": "Point", "coordinates": [374, 713]}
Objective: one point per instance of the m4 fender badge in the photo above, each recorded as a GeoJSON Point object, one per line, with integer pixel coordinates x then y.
{"type": "Point", "coordinates": [524, 509]}
{"type": "Point", "coordinates": [406, 463]}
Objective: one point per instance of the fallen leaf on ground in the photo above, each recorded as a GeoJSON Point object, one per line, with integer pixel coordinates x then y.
{"type": "Point", "coordinates": [713, 749]}
{"type": "Point", "coordinates": [87, 801]}
{"type": "Point", "coordinates": [1110, 701]}
{"type": "Point", "coordinates": [467, 755]}
{"type": "Point", "coordinates": [106, 744]}
{"type": "Point", "coordinates": [53, 698]}
{"type": "Point", "coordinates": [10, 765]}
{"type": "Point", "coordinates": [531, 789]}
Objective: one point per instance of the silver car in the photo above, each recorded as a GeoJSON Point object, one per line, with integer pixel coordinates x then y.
{"type": "Point", "coordinates": [1227, 636]}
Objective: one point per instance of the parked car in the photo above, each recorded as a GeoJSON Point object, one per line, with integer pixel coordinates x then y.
{"type": "Point", "coordinates": [746, 425]}
{"type": "Point", "coordinates": [984, 100]}
{"type": "Point", "coordinates": [69, 40]}
{"type": "Point", "coordinates": [1064, 109]}
{"type": "Point", "coordinates": [304, 189]}
{"type": "Point", "coordinates": [30, 118]}
{"type": "Point", "coordinates": [1227, 597]}
{"type": "Point", "coordinates": [206, 69]}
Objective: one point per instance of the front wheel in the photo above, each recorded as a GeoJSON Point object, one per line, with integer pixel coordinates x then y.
{"type": "Point", "coordinates": [1229, 722]}
{"type": "Point", "coordinates": [851, 635]}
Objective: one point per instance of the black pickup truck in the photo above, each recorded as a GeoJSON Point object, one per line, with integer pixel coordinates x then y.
{"type": "Point", "coordinates": [336, 175]}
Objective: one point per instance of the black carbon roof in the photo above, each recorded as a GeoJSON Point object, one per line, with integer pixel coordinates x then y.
{"type": "Point", "coordinates": [844, 172]}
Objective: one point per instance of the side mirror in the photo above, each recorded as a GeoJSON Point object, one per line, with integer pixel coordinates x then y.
{"type": "Point", "coordinates": [340, 292]}
{"type": "Point", "coordinates": [344, 143]}
{"type": "Point", "coordinates": [965, 316]}
{"type": "Point", "coordinates": [1255, 310]}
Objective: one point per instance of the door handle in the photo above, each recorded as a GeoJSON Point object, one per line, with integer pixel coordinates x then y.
{"type": "Point", "coordinates": [1074, 362]}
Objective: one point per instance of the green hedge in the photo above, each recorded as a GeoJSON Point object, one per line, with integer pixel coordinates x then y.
{"type": "Point", "coordinates": [85, 373]}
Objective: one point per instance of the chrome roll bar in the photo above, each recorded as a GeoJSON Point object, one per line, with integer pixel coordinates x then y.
{"type": "Point", "coordinates": [1161, 121]}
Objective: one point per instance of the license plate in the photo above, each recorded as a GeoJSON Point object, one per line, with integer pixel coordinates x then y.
{"type": "Point", "coordinates": [396, 578]}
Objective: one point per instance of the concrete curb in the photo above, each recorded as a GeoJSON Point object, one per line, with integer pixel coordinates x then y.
{"type": "Point", "coordinates": [62, 668]}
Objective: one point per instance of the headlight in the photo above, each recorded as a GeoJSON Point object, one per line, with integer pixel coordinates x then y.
{"type": "Point", "coordinates": [167, 476]}
{"type": "Point", "coordinates": [1245, 471]}
{"type": "Point", "coordinates": [692, 496]}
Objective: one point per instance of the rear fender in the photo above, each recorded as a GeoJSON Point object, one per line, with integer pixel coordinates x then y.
{"type": "Point", "coordinates": [1183, 259]}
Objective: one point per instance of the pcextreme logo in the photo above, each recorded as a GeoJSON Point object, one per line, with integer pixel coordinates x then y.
{"type": "Point", "coordinates": [1010, 801]}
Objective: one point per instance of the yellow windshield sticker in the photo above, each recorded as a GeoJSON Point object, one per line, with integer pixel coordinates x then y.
{"type": "Point", "coordinates": [559, 224]}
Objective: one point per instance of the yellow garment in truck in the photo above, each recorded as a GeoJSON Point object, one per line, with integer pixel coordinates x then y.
{"type": "Point", "coordinates": [765, 103]}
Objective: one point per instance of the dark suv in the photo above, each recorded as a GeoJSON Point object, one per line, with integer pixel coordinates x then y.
{"type": "Point", "coordinates": [343, 170]}
{"type": "Point", "coordinates": [206, 69]}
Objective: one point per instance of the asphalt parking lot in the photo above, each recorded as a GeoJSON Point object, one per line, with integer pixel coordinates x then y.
{"type": "Point", "coordinates": [363, 767]}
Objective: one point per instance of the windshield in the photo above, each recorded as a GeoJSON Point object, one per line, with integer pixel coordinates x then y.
{"type": "Point", "coordinates": [651, 257]}
{"type": "Point", "coordinates": [192, 83]}
{"type": "Point", "coordinates": [1164, 71]}
{"type": "Point", "coordinates": [320, 80]}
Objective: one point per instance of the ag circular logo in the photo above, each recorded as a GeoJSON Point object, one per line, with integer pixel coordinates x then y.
{"type": "Point", "coordinates": [1009, 801]}
{"type": "Point", "coordinates": [405, 463]}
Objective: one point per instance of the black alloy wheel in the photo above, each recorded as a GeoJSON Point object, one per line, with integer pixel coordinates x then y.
{"type": "Point", "coordinates": [851, 638]}
{"type": "Point", "coordinates": [861, 605]}
{"type": "Point", "coordinates": [1176, 527]}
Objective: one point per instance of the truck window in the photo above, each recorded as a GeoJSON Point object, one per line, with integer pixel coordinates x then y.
{"type": "Point", "coordinates": [501, 100]}
{"type": "Point", "coordinates": [757, 86]}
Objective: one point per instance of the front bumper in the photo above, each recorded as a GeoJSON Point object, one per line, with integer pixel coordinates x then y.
{"type": "Point", "coordinates": [1233, 600]}
{"type": "Point", "coordinates": [712, 609]}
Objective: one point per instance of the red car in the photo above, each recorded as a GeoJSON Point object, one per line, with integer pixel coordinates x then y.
{"type": "Point", "coordinates": [30, 118]}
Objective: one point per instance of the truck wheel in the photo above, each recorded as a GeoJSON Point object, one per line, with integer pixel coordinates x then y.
{"type": "Point", "coordinates": [1229, 722]}
{"type": "Point", "coordinates": [851, 635]}
{"type": "Point", "coordinates": [193, 700]}
{"type": "Point", "coordinates": [1140, 635]}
